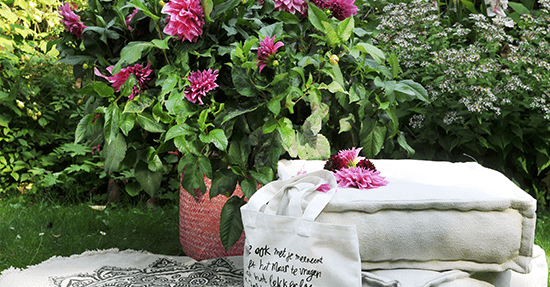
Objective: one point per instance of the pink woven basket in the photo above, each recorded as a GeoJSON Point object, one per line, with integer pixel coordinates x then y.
{"type": "Point", "coordinates": [200, 225]}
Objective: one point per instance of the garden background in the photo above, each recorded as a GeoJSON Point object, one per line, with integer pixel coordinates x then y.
{"type": "Point", "coordinates": [484, 96]}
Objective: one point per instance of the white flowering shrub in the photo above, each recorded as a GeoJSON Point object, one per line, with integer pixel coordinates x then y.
{"type": "Point", "coordinates": [488, 82]}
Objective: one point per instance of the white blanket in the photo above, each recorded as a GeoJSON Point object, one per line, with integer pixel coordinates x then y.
{"type": "Point", "coordinates": [136, 268]}
{"type": "Point", "coordinates": [435, 216]}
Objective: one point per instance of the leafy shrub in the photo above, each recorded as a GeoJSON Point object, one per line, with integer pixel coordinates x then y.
{"type": "Point", "coordinates": [488, 85]}
{"type": "Point", "coordinates": [252, 83]}
{"type": "Point", "coordinates": [38, 107]}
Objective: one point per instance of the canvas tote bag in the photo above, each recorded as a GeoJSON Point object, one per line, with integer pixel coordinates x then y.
{"type": "Point", "coordinates": [284, 245]}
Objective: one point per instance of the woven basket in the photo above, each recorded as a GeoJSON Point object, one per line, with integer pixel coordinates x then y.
{"type": "Point", "coordinates": [200, 225]}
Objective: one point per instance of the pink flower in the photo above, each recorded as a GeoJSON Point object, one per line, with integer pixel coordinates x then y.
{"type": "Point", "coordinates": [322, 4]}
{"type": "Point", "coordinates": [357, 177]}
{"type": "Point", "coordinates": [335, 163]}
{"type": "Point", "coordinates": [366, 164]}
{"type": "Point", "coordinates": [142, 74]}
{"type": "Point", "coordinates": [201, 83]}
{"type": "Point", "coordinates": [342, 9]}
{"type": "Point", "coordinates": [324, 187]}
{"type": "Point", "coordinates": [95, 148]}
{"type": "Point", "coordinates": [186, 18]}
{"type": "Point", "coordinates": [71, 20]}
{"type": "Point", "coordinates": [350, 156]}
{"type": "Point", "coordinates": [267, 49]}
{"type": "Point", "coordinates": [292, 6]}
{"type": "Point", "coordinates": [129, 18]}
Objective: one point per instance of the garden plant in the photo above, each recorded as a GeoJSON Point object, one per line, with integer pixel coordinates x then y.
{"type": "Point", "coordinates": [224, 89]}
{"type": "Point", "coordinates": [487, 71]}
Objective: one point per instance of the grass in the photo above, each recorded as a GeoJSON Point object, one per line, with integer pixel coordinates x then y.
{"type": "Point", "coordinates": [31, 233]}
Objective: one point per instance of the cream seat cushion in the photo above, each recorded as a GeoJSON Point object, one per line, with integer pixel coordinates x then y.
{"type": "Point", "coordinates": [435, 216]}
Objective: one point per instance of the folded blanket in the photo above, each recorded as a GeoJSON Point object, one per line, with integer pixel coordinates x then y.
{"type": "Point", "coordinates": [435, 215]}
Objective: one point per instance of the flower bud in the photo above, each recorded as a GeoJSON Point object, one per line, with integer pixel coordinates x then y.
{"type": "Point", "coordinates": [161, 3]}
{"type": "Point", "coordinates": [334, 59]}
{"type": "Point", "coordinates": [20, 104]}
{"type": "Point", "coordinates": [275, 63]}
{"type": "Point", "coordinates": [85, 66]}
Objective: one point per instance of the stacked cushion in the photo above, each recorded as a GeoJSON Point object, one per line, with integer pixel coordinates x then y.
{"type": "Point", "coordinates": [435, 216]}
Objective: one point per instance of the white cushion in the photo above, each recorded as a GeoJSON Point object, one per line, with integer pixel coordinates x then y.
{"type": "Point", "coordinates": [436, 216]}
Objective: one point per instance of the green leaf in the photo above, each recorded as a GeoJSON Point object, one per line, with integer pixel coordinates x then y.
{"type": "Point", "coordinates": [373, 137]}
{"type": "Point", "coordinates": [269, 126]}
{"type": "Point", "coordinates": [346, 123]}
{"type": "Point", "coordinates": [237, 112]}
{"type": "Point", "coordinates": [127, 123]}
{"type": "Point", "coordinates": [147, 122]}
{"type": "Point", "coordinates": [75, 60]}
{"type": "Point", "coordinates": [204, 165]}
{"type": "Point", "coordinates": [83, 129]}
{"type": "Point", "coordinates": [248, 187]}
{"type": "Point", "coordinates": [160, 115]}
{"type": "Point", "coordinates": [223, 182]}
{"type": "Point", "coordinates": [419, 91]}
{"type": "Point", "coordinates": [102, 89]}
{"type": "Point", "coordinates": [287, 135]}
{"type": "Point", "coordinates": [274, 105]}
{"type": "Point", "coordinates": [309, 147]}
{"type": "Point", "coordinates": [231, 225]}
{"type": "Point", "coordinates": [403, 143]}
{"type": "Point", "coordinates": [345, 28]}
{"type": "Point", "coordinates": [132, 52]}
{"type": "Point", "coordinates": [179, 130]}
{"type": "Point", "coordinates": [216, 136]}
{"type": "Point", "coordinates": [241, 80]}
{"type": "Point", "coordinates": [519, 8]}
{"type": "Point", "coordinates": [394, 64]}
{"type": "Point", "coordinates": [141, 6]}
{"type": "Point", "coordinates": [112, 122]}
{"type": "Point", "coordinates": [114, 153]}
{"type": "Point", "coordinates": [332, 38]}
{"type": "Point", "coordinates": [223, 8]}
{"type": "Point", "coordinates": [138, 104]}
{"type": "Point", "coordinates": [192, 177]}
{"type": "Point", "coordinates": [316, 17]}
{"type": "Point", "coordinates": [264, 175]}
{"type": "Point", "coordinates": [161, 44]}
{"type": "Point", "coordinates": [149, 180]}
{"type": "Point", "coordinates": [373, 51]}
{"type": "Point", "coordinates": [133, 188]}
{"type": "Point", "coordinates": [469, 5]}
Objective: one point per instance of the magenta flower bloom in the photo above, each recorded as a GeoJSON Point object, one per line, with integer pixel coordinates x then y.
{"type": "Point", "coordinates": [350, 156]}
{"type": "Point", "coordinates": [129, 18]}
{"type": "Point", "coordinates": [142, 74]}
{"type": "Point", "coordinates": [267, 49]}
{"type": "Point", "coordinates": [70, 20]}
{"type": "Point", "coordinates": [357, 177]}
{"type": "Point", "coordinates": [201, 83]}
{"type": "Point", "coordinates": [342, 9]}
{"type": "Point", "coordinates": [322, 4]}
{"type": "Point", "coordinates": [186, 18]}
{"type": "Point", "coordinates": [292, 6]}
{"type": "Point", "coordinates": [335, 163]}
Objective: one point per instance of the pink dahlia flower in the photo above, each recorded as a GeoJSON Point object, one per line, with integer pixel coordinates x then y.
{"type": "Point", "coordinates": [342, 9]}
{"type": "Point", "coordinates": [350, 156]}
{"type": "Point", "coordinates": [70, 20]}
{"type": "Point", "coordinates": [267, 49]}
{"type": "Point", "coordinates": [186, 18]}
{"type": "Point", "coordinates": [142, 74]}
{"type": "Point", "coordinates": [292, 6]}
{"type": "Point", "coordinates": [322, 4]}
{"type": "Point", "coordinates": [356, 177]}
{"type": "Point", "coordinates": [201, 83]}
{"type": "Point", "coordinates": [335, 163]}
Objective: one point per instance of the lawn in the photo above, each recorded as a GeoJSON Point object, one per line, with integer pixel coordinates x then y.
{"type": "Point", "coordinates": [31, 232]}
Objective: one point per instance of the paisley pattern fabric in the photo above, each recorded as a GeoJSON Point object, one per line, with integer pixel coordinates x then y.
{"type": "Point", "coordinates": [161, 273]}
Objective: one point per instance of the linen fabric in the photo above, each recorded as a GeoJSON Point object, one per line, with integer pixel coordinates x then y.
{"type": "Point", "coordinates": [284, 244]}
{"type": "Point", "coordinates": [435, 216]}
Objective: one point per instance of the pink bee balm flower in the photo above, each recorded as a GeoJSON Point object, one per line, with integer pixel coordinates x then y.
{"type": "Point", "coordinates": [142, 74]}
{"type": "Point", "coordinates": [186, 18]}
{"type": "Point", "coordinates": [70, 20]}
{"type": "Point", "coordinates": [356, 177]}
{"type": "Point", "coordinates": [201, 83]}
{"type": "Point", "coordinates": [267, 49]}
{"type": "Point", "coordinates": [292, 6]}
{"type": "Point", "coordinates": [342, 9]}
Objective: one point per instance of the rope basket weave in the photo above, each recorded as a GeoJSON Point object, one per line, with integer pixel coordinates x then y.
{"type": "Point", "coordinates": [200, 225]}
